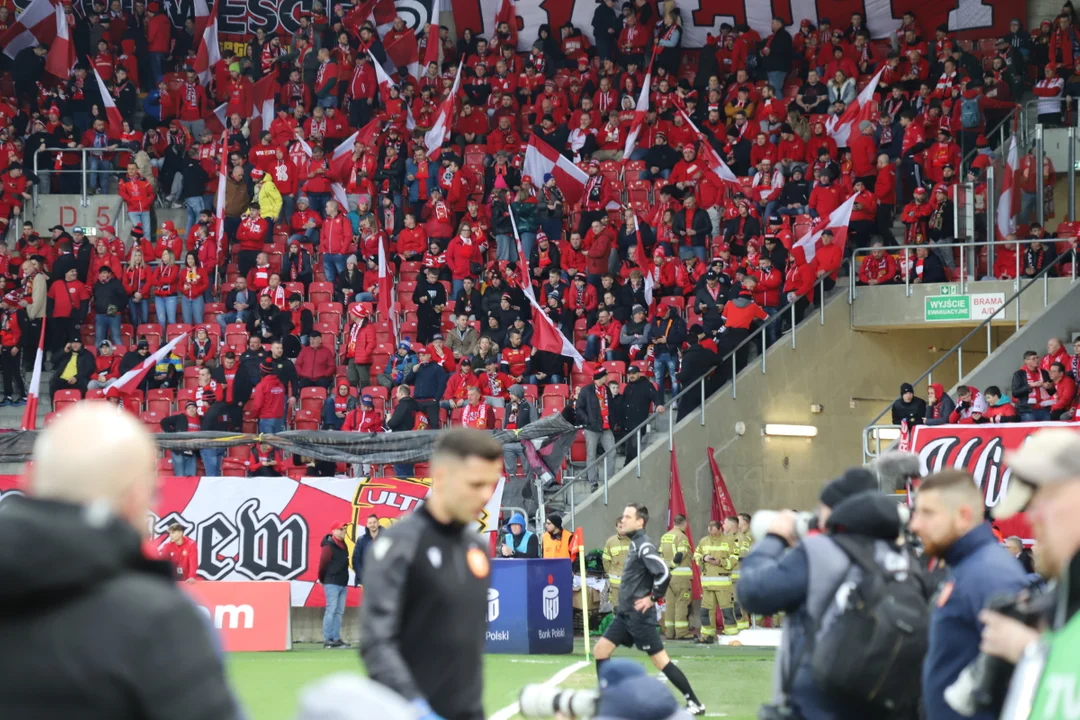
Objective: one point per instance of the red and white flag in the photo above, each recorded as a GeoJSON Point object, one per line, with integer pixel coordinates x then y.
{"type": "Point", "coordinates": [29, 419]}
{"type": "Point", "coordinates": [223, 170]}
{"type": "Point", "coordinates": [61, 57]}
{"type": "Point", "coordinates": [380, 13]}
{"type": "Point", "coordinates": [404, 52]}
{"type": "Point", "coordinates": [640, 111]}
{"type": "Point", "coordinates": [1009, 200]}
{"type": "Point", "coordinates": [716, 163]}
{"type": "Point", "coordinates": [837, 221]}
{"type": "Point", "coordinates": [523, 262]}
{"type": "Point", "coordinates": [644, 262]}
{"type": "Point", "coordinates": [841, 128]}
{"type": "Point", "coordinates": [387, 294]}
{"type": "Point", "coordinates": [203, 15]}
{"type": "Point", "coordinates": [129, 381]}
{"type": "Point", "coordinates": [385, 82]}
{"type": "Point", "coordinates": [440, 129]}
{"type": "Point", "coordinates": [116, 121]}
{"type": "Point", "coordinates": [262, 101]}
{"type": "Point", "coordinates": [338, 165]}
{"type": "Point", "coordinates": [507, 14]}
{"type": "Point", "coordinates": [433, 44]}
{"type": "Point", "coordinates": [541, 159]}
{"type": "Point", "coordinates": [209, 52]}
{"type": "Point", "coordinates": [35, 25]}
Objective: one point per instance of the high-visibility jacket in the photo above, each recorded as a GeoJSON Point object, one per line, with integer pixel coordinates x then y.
{"type": "Point", "coordinates": [675, 543]}
{"type": "Point", "coordinates": [720, 547]}
{"type": "Point", "coordinates": [614, 558]}
{"type": "Point", "coordinates": [743, 542]}
{"type": "Point", "coordinates": [557, 548]}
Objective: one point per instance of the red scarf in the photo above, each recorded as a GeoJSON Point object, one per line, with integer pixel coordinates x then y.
{"type": "Point", "coordinates": [1038, 397]}
{"type": "Point", "coordinates": [601, 395]}
{"type": "Point", "coordinates": [475, 417]}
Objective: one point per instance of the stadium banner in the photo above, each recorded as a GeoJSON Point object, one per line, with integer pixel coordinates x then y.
{"type": "Point", "coordinates": [271, 528]}
{"type": "Point", "coordinates": [979, 449]}
{"type": "Point", "coordinates": [530, 607]}
{"type": "Point", "coordinates": [248, 616]}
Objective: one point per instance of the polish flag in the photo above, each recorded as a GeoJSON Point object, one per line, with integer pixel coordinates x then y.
{"type": "Point", "coordinates": [223, 170]}
{"type": "Point", "coordinates": [644, 262]}
{"type": "Point", "coordinates": [507, 14]}
{"type": "Point", "coordinates": [339, 163]}
{"type": "Point", "coordinates": [380, 13]}
{"type": "Point", "coordinates": [35, 25]}
{"type": "Point", "coordinates": [209, 52]}
{"type": "Point", "coordinates": [523, 262]}
{"type": "Point", "coordinates": [61, 57]}
{"type": "Point", "coordinates": [716, 163]}
{"type": "Point", "coordinates": [116, 121]}
{"type": "Point", "coordinates": [433, 46]}
{"type": "Point", "coordinates": [387, 295]}
{"type": "Point", "coordinates": [130, 380]}
{"type": "Point", "coordinates": [29, 420]}
{"type": "Point", "coordinates": [639, 115]}
{"type": "Point", "coordinates": [542, 159]}
{"type": "Point", "coordinates": [841, 128]}
{"type": "Point", "coordinates": [202, 17]}
{"type": "Point", "coordinates": [1008, 200]}
{"type": "Point", "coordinates": [838, 222]}
{"type": "Point", "coordinates": [385, 82]}
{"type": "Point", "coordinates": [440, 130]}
{"type": "Point", "coordinates": [404, 53]}
{"type": "Point", "coordinates": [262, 100]}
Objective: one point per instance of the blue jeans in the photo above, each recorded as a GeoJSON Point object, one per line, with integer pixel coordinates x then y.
{"type": "Point", "coordinates": [211, 460]}
{"type": "Point", "coordinates": [1039, 415]}
{"type": "Point", "coordinates": [330, 101]}
{"type": "Point", "coordinates": [772, 333]}
{"type": "Point", "coordinates": [166, 309]}
{"type": "Point", "coordinates": [194, 206]}
{"type": "Point", "coordinates": [335, 608]}
{"type": "Point", "coordinates": [333, 264]}
{"type": "Point", "coordinates": [309, 236]}
{"type": "Point", "coordinates": [99, 175]}
{"type": "Point", "coordinates": [140, 312]}
{"type": "Point", "coordinates": [231, 317]}
{"type": "Point", "coordinates": [455, 287]}
{"type": "Point", "coordinates": [191, 309]}
{"type": "Point", "coordinates": [528, 239]}
{"type": "Point", "coordinates": [288, 205]}
{"type": "Point", "coordinates": [364, 297]}
{"type": "Point", "coordinates": [664, 173]}
{"type": "Point", "coordinates": [776, 79]}
{"type": "Point", "coordinates": [552, 228]}
{"type": "Point", "coordinates": [404, 469]}
{"type": "Point", "coordinates": [183, 465]}
{"type": "Point", "coordinates": [157, 66]}
{"type": "Point", "coordinates": [592, 350]}
{"type": "Point", "coordinates": [271, 426]}
{"type": "Point", "coordinates": [793, 211]}
{"type": "Point", "coordinates": [770, 209]}
{"type": "Point", "coordinates": [143, 218]}
{"type": "Point", "coordinates": [107, 325]}
{"type": "Point", "coordinates": [698, 252]}
{"type": "Point", "coordinates": [666, 364]}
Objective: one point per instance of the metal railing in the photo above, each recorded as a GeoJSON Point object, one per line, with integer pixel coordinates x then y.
{"type": "Point", "coordinates": [971, 264]}
{"type": "Point", "coordinates": [873, 429]}
{"type": "Point", "coordinates": [83, 169]}
{"type": "Point", "coordinates": [698, 386]}
{"type": "Point", "coordinates": [1003, 129]}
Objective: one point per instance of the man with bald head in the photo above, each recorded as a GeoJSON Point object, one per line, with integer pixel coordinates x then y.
{"type": "Point", "coordinates": [90, 626]}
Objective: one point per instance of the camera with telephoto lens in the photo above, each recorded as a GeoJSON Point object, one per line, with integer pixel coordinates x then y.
{"type": "Point", "coordinates": [984, 683]}
{"type": "Point", "coordinates": [538, 701]}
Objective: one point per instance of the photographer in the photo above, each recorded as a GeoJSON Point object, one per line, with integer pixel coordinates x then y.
{"type": "Point", "coordinates": [801, 576]}
{"type": "Point", "coordinates": [948, 519]}
{"type": "Point", "coordinates": [1046, 481]}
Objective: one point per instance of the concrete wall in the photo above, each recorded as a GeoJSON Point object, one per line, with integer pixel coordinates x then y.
{"type": "Point", "coordinates": [854, 374]}
{"type": "Point", "coordinates": [67, 210]}
{"type": "Point", "coordinates": [888, 306]}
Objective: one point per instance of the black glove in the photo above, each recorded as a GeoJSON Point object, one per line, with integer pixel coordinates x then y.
{"type": "Point", "coordinates": [678, 558]}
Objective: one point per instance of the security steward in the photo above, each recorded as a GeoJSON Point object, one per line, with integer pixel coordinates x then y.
{"type": "Point", "coordinates": [675, 547]}
{"type": "Point", "coordinates": [424, 617]}
{"type": "Point", "coordinates": [740, 545]}
{"type": "Point", "coordinates": [714, 558]}
{"type": "Point", "coordinates": [556, 542]}
{"type": "Point", "coordinates": [614, 559]}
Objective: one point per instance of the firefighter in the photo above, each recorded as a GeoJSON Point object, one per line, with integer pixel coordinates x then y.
{"type": "Point", "coordinates": [712, 557]}
{"type": "Point", "coordinates": [739, 547]}
{"type": "Point", "coordinates": [615, 560]}
{"type": "Point", "coordinates": [746, 542]}
{"type": "Point", "coordinates": [675, 547]}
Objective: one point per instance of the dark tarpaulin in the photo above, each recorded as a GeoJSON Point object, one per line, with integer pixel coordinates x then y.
{"type": "Point", "coordinates": [330, 446]}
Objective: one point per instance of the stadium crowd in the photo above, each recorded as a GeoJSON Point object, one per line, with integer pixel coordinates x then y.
{"type": "Point", "coordinates": [656, 273]}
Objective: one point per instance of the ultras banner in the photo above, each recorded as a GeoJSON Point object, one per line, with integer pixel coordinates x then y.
{"type": "Point", "coordinates": [979, 449]}
{"type": "Point", "coordinates": [271, 528]}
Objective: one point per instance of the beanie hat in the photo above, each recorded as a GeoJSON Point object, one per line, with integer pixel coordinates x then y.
{"type": "Point", "coordinates": [906, 388]}
{"type": "Point", "coordinates": [852, 482]}
{"type": "Point", "coordinates": [555, 519]}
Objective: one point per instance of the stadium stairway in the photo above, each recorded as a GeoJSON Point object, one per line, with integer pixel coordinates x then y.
{"type": "Point", "coordinates": [835, 379]}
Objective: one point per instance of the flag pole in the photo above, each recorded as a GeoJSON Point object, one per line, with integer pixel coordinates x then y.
{"type": "Point", "coordinates": [584, 602]}
{"type": "Point", "coordinates": [29, 420]}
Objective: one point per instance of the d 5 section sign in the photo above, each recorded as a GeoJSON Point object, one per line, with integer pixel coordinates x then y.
{"type": "Point", "coordinates": [979, 449]}
{"type": "Point", "coordinates": [270, 529]}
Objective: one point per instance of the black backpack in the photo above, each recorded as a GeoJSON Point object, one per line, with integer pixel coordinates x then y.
{"type": "Point", "coordinates": [872, 652]}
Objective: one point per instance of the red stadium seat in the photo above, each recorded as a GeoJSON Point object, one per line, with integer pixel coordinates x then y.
{"type": "Point", "coordinates": [312, 398]}
{"type": "Point", "coordinates": [638, 191]}
{"type": "Point", "coordinates": [191, 377]}
{"type": "Point", "coordinates": [65, 398]}
{"type": "Point", "coordinates": [307, 419]}
{"type": "Point", "coordinates": [160, 401]}
{"type": "Point", "coordinates": [320, 292]}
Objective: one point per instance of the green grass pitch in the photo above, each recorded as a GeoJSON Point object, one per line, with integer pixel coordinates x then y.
{"type": "Point", "coordinates": [732, 682]}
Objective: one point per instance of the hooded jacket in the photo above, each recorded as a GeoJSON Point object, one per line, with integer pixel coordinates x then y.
{"type": "Point", "coordinates": [85, 616]}
{"type": "Point", "coordinates": [938, 413]}
{"type": "Point", "coordinates": [333, 562]}
{"type": "Point", "coordinates": [801, 581]}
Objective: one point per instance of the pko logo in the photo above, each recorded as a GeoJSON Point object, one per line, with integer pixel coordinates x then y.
{"type": "Point", "coordinates": [493, 605]}
{"type": "Point", "coordinates": [551, 602]}
{"type": "Point", "coordinates": [231, 616]}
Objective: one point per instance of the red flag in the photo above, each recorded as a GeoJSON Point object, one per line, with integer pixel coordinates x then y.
{"type": "Point", "coordinates": [29, 420]}
{"type": "Point", "coordinates": [387, 296]}
{"type": "Point", "coordinates": [508, 15]}
{"type": "Point", "coordinates": [404, 51]}
{"type": "Point", "coordinates": [377, 12]}
{"type": "Point", "coordinates": [433, 44]}
{"type": "Point", "coordinates": [677, 506]}
{"type": "Point", "coordinates": [722, 505]}
{"type": "Point", "coordinates": [716, 163]}
{"type": "Point", "coordinates": [208, 53]}
{"type": "Point", "coordinates": [640, 111]}
{"type": "Point", "coordinates": [1008, 198]}
{"type": "Point", "coordinates": [542, 159]}
{"type": "Point", "coordinates": [838, 222]}
{"type": "Point", "coordinates": [130, 380]}
{"type": "Point", "coordinates": [840, 128]}
{"type": "Point", "coordinates": [262, 101]}
{"type": "Point", "coordinates": [61, 57]}
{"type": "Point", "coordinates": [440, 129]}
{"type": "Point", "coordinates": [116, 121]}
{"type": "Point", "coordinates": [644, 262]}
{"type": "Point", "coordinates": [223, 170]}
{"type": "Point", "coordinates": [35, 25]}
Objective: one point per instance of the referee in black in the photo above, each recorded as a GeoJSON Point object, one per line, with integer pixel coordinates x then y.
{"type": "Point", "coordinates": [644, 582]}
{"type": "Point", "coordinates": [424, 614]}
